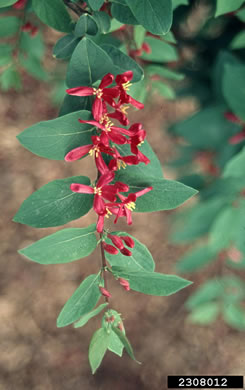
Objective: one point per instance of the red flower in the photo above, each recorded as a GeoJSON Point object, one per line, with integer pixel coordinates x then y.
{"type": "Point", "coordinates": [105, 292]}
{"type": "Point", "coordinates": [136, 141]}
{"type": "Point", "coordinates": [20, 4]}
{"type": "Point", "coordinates": [237, 138]}
{"type": "Point", "coordinates": [123, 82]}
{"type": "Point", "coordinates": [101, 94]}
{"type": "Point", "coordinates": [110, 249]}
{"type": "Point", "coordinates": [127, 205]}
{"type": "Point", "coordinates": [110, 132]}
{"type": "Point", "coordinates": [120, 114]}
{"type": "Point", "coordinates": [102, 190]}
{"type": "Point", "coordinates": [117, 241]}
{"type": "Point", "coordinates": [124, 283]}
{"type": "Point", "coordinates": [95, 149]}
{"type": "Point", "coordinates": [122, 161]}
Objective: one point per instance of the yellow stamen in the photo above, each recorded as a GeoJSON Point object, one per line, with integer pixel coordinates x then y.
{"type": "Point", "coordinates": [121, 164]}
{"type": "Point", "coordinates": [94, 151]}
{"type": "Point", "coordinates": [126, 85]}
{"type": "Point", "coordinates": [108, 213]}
{"type": "Point", "coordinates": [98, 92]}
{"type": "Point", "coordinates": [98, 191]}
{"type": "Point", "coordinates": [124, 109]}
{"type": "Point", "coordinates": [140, 143]}
{"type": "Point", "coordinates": [130, 206]}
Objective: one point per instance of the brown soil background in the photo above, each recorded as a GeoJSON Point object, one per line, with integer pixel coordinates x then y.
{"type": "Point", "coordinates": [35, 355]}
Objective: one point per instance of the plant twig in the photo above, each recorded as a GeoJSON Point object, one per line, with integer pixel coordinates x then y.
{"type": "Point", "coordinates": [75, 8]}
{"type": "Point", "coordinates": [103, 260]}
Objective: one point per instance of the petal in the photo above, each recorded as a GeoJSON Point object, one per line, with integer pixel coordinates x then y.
{"type": "Point", "coordinates": [97, 109]}
{"type": "Point", "coordinates": [93, 123]}
{"type": "Point", "coordinates": [236, 139]}
{"type": "Point", "coordinates": [121, 187]}
{"type": "Point", "coordinates": [135, 103]}
{"type": "Point", "coordinates": [105, 179]}
{"type": "Point", "coordinates": [143, 158]}
{"type": "Point", "coordinates": [100, 223]}
{"type": "Point", "coordinates": [143, 192]}
{"type": "Point", "coordinates": [99, 205]}
{"type": "Point", "coordinates": [131, 160]}
{"type": "Point", "coordinates": [80, 91]}
{"type": "Point", "coordinates": [117, 138]}
{"type": "Point", "coordinates": [81, 188]}
{"type": "Point", "coordinates": [122, 118]}
{"type": "Point", "coordinates": [108, 195]}
{"type": "Point", "coordinates": [100, 164]}
{"type": "Point", "coordinates": [110, 93]}
{"type": "Point", "coordinates": [128, 216]}
{"type": "Point", "coordinates": [232, 117]}
{"type": "Point", "coordinates": [107, 80]}
{"type": "Point", "coordinates": [77, 153]}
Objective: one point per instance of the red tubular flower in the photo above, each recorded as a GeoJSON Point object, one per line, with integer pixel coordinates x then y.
{"type": "Point", "coordinates": [124, 283]}
{"type": "Point", "coordinates": [127, 205]}
{"type": "Point", "coordinates": [110, 248]}
{"type": "Point", "coordinates": [117, 241]}
{"type": "Point", "coordinates": [120, 114]}
{"type": "Point", "coordinates": [237, 138]}
{"type": "Point", "coordinates": [123, 82]}
{"type": "Point", "coordinates": [119, 161]}
{"type": "Point", "coordinates": [128, 241]}
{"type": "Point", "coordinates": [232, 117]}
{"type": "Point", "coordinates": [126, 252]}
{"type": "Point", "coordinates": [102, 190]}
{"type": "Point", "coordinates": [20, 4]}
{"type": "Point", "coordinates": [101, 94]}
{"type": "Point", "coordinates": [110, 132]}
{"type": "Point", "coordinates": [105, 292]}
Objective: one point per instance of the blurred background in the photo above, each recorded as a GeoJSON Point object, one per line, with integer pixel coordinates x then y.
{"type": "Point", "coordinates": [34, 353]}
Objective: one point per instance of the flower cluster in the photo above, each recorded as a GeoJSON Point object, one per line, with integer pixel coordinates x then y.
{"type": "Point", "coordinates": [111, 197]}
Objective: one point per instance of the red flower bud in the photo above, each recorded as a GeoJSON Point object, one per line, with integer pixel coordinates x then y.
{"type": "Point", "coordinates": [124, 283]}
{"type": "Point", "coordinates": [125, 252]}
{"type": "Point", "coordinates": [110, 249]}
{"type": "Point", "coordinates": [105, 292]}
{"type": "Point", "coordinates": [120, 326]}
{"type": "Point", "coordinates": [117, 241]}
{"type": "Point", "coordinates": [20, 4]}
{"type": "Point", "coordinates": [128, 241]}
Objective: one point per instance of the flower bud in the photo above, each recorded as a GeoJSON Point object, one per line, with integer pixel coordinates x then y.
{"type": "Point", "coordinates": [110, 249]}
{"type": "Point", "coordinates": [117, 241]}
{"type": "Point", "coordinates": [128, 241]}
{"type": "Point", "coordinates": [105, 292]}
{"type": "Point", "coordinates": [124, 283]}
{"type": "Point", "coordinates": [125, 252]}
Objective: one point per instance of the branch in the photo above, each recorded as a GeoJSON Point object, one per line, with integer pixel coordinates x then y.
{"type": "Point", "coordinates": [103, 259]}
{"type": "Point", "coordinates": [75, 8]}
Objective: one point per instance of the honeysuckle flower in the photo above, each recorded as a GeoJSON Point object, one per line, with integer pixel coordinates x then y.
{"type": "Point", "coordinates": [101, 190]}
{"type": "Point", "coordinates": [105, 292]}
{"type": "Point", "coordinates": [136, 141]}
{"type": "Point", "coordinates": [128, 241]}
{"type": "Point", "coordinates": [123, 83]}
{"type": "Point", "coordinates": [124, 283]}
{"type": "Point", "coordinates": [117, 241]}
{"type": "Point", "coordinates": [119, 161]}
{"type": "Point", "coordinates": [127, 205]}
{"type": "Point", "coordinates": [20, 4]}
{"type": "Point", "coordinates": [120, 114]}
{"type": "Point", "coordinates": [110, 248]}
{"type": "Point", "coordinates": [109, 131]}
{"type": "Point", "coordinates": [95, 149]}
{"type": "Point", "coordinates": [101, 94]}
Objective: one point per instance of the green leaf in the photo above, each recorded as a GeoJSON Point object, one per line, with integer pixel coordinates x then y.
{"type": "Point", "coordinates": [123, 62]}
{"type": "Point", "coordinates": [166, 194]}
{"type": "Point", "coordinates": [86, 25]}
{"type": "Point", "coordinates": [122, 12]}
{"type": "Point", "coordinates": [224, 7]}
{"type": "Point", "coordinates": [75, 103]}
{"type": "Point", "coordinates": [160, 51]}
{"type": "Point", "coordinates": [64, 246]}
{"type": "Point", "coordinates": [139, 91]}
{"type": "Point", "coordinates": [124, 340]}
{"type": "Point", "coordinates": [153, 169]}
{"type": "Point", "coordinates": [53, 13]}
{"type": "Point", "coordinates": [234, 88]}
{"type": "Point", "coordinates": [81, 302]}
{"type": "Point", "coordinates": [241, 15]}
{"type": "Point", "coordinates": [234, 316]}
{"type": "Point", "coordinates": [205, 314]}
{"type": "Point", "coordinates": [151, 283]}
{"type": "Point", "coordinates": [154, 15]}
{"type": "Point", "coordinates": [34, 67]}
{"type": "Point", "coordinates": [32, 46]}
{"type": "Point", "coordinates": [83, 321]}
{"type": "Point", "coordinates": [55, 204]}
{"type": "Point", "coordinates": [213, 129]}
{"type": "Point", "coordinates": [83, 68]}
{"type": "Point", "coordinates": [65, 46]}
{"type": "Point", "coordinates": [103, 21]}
{"type": "Point", "coordinates": [211, 290]}
{"type": "Point", "coordinates": [139, 36]}
{"type": "Point", "coordinates": [115, 25]}
{"type": "Point", "coordinates": [195, 259]}
{"type": "Point", "coordinates": [164, 90]}
{"type": "Point", "coordinates": [7, 3]}
{"type": "Point", "coordinates": [235, 166]}
{"type": "Point", "coordinates": [95, 4]}
{"type": "Point", "coordinates": [9, 26]}
{"type": "Point", "coordinates": [141, 258]}
{"type": "Point", "coordinates": [53, 139]}
{"type": "Point", "coordinates": [10, 78]}
{"type": "Point", "coordinates": [115, 345]}
{"type": "Point", "coordinates": [98, 348]}
{"type": "Point", "coordinates": [177, 3]}
{"type": "Point", "coordinates": [164, 72]}
{"type": "Point", "coordinates": [239, 41]}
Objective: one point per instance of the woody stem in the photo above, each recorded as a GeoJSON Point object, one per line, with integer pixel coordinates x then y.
{"type": "Point", "coordinates": [103, 260]}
